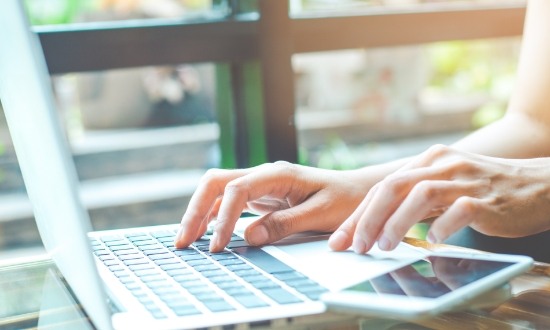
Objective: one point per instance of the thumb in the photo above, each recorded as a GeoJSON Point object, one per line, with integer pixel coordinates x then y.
{"type": "Point", "coordinates": [278, 224]}
{"type": "Point", "coordinates": [273, 227]}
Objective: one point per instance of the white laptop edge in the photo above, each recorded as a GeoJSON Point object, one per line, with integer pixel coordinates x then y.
{"type": "Point", "coordinates": [45, 160]}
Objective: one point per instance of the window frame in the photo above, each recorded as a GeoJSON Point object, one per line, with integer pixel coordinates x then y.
{"type": "Point", "coordinates": [257, 49]}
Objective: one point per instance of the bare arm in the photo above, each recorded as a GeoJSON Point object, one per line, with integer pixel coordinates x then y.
{"type": "Point", "coordinates": [525, 130]}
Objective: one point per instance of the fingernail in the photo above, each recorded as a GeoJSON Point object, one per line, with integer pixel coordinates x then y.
{"type": "Point", "coordinates": [359, 245]}
{"type": "Point", "coordinates": [338, 238]}
{"type": "Point", "coordinates": [384, 243]}
{"type": "Point", "coordinates": [213, 241]}
{"type": "Point", "coordinates": [258, 235]}
{"type": "Point", "coordinates": [179, 234]}
{"type": "Point", "coordinates": [432, 238]}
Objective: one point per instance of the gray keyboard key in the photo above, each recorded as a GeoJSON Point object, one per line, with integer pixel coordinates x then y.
{"type": "Point", "coordinates": [250, 301]}
{"type": "Point", "coordinates": [281, 296]}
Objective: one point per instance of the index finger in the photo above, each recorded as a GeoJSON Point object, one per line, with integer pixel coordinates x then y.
{"type": "Point", "coordinates": [270, 179]}
{"type": "Point", "coordinates": [211, 187]}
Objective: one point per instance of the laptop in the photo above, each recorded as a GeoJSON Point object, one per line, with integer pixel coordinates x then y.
{"type": "Point", "coordinates": [135, 278]}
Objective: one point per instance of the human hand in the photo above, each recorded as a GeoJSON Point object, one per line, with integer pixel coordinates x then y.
{"type": "Point", "coordinates": [495, 196]}
{"type": "Point", "coordinates": [291, 198]}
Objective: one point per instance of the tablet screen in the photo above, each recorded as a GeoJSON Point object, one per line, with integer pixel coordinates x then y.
{"type": "Point", "coordinates": [430, 278]}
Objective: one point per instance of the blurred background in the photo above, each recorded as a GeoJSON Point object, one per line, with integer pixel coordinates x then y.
{"type": "Point", "coordinates": [141, 137]}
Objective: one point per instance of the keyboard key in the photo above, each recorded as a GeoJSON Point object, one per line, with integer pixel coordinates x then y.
{"type": "Point", "coordinates": [112, 244]}
{"type": "Point", "coordinates": [102, 252]}
{"type": "Point", "coordinates": [250, 301]}
{"type": "Point", "coordinates": [110, 238]}
{"type": "Point", "coordinates": [237, 243]}
{"type": "Point", "coordinates": [125, 279]}
{"type": "Point", "coordinates": [203, 261]}
{"type": "Point", "coordinates": [186, 311]}
{"type": "Point", "coordinates": [162, 262]}
{"type": "Point", "coordinates": [234, 268]}
{"type": "Point", "coordinates": [174, 266]}
{"type": "Point", "coordinates": [267, 284]}
{"type": "Point", "coordinates": [281, 296]}
{"type": "Point", "coordinates": [211, 269]}
{"type": "Point", "coordinates": [169, 239]}
{"type": "Point", "coordinates": [191, 283]}
{"type": "Point", "coordinates": [231, 283]}
{"type": "Point", "coordinates": [190, 257]}
{"type": "Point", "coordinates": [208, 295]}
{"type": "Point", "coordinates": [231, 261]}
{"type": "Point", "coordinates": [218, 306]}
{"type": "Point", "coordinates": [237, 290]}
{"type": "Point", "coordinates": [148, 241]}
{"type": "Point", "coordinates": [106, 257]}
{"type": "Point", "coordinates": [140, 267]}
{"type": "Point", "coordinates": [121, 273]}
{"type": "Point", "coordinates": [223, 256]}
{"type": "Point", "coordinates": [165, 255]}
{"type": "Point", "coordinates": [155, 251]}
{"type": "Point", "coordinates": [180, 252]}
{"type": "Point", "coordinates": [289, 275]}
{"type": "Point", "coordinates": [136, 234]}
{"type": "Point", "coordinates": [158, 314]}
{"type": "Point", "coordinates": [179, 304]}
{"type": "Point", "coordinates": [154, 246]}
{"type": "Point", "coordinates": [136, 261]}
{"type": "Point", "coordinates": [111, 262]}
{"type": "Point", "coordinates": [185, 278]}
{"type": "Point", "coordinates": [145, 272]}
{"type": "Point", "coordinates": [124, 247]}
{"type": "Point", "coordinates": [125, 252]}
{"type": "Point", "coordinates": [246, 272]}
{"type": "Point", "coordinates": [115, 268]}
{"type": "Point", "coordinates": [152, 278]}
{"type": "Point", "coordinates": [262, 259]}
{"type": "Point", "coordinates": [159, 284]}
{"type": "Point", "coordinates": [201, 290]}
{"type": "Point", "coordinates": [163, 233]}
{"type": "Point", "coordinates": [131, 256]}
{"type": "Point", "coordinates": [133, 286]}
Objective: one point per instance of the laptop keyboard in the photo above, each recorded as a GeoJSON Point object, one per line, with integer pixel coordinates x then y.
{"type": "Point", "coordinates": [194, 281]}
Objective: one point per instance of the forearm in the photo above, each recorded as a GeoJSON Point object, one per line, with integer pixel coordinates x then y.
{"type": "Point", "coordinates": [525, 130]}
{"type": "Point", "coordinates": [517, 135]}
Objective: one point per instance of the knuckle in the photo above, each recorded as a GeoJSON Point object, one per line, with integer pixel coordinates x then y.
{"type": "Point", "coordinates": [466, 206]}
{"type": "Point", "coordinates": [284, 168]}
{"type": "Point", "coordinates": [393, 183]}
{"type": "Point", "coordinates": [424, 191]}
{"type": "Point", "coordinates": [462, 164]}
{"type": "Point", "coordinates": [212, 175]}
{"type": "Point", "coordinates": [236, 187]}
{"type": "Point", "coordinates": [437, 151]}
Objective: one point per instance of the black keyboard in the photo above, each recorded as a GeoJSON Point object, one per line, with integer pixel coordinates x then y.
{"type": "Point", "coordinates": [194, 281]}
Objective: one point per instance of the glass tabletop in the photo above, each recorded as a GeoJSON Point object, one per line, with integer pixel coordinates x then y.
{"type": "Point", "coordinates": [33, 294]}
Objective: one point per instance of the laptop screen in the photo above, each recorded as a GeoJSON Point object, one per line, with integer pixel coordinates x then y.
{"type": "Point", "coordinates": [45, 159]}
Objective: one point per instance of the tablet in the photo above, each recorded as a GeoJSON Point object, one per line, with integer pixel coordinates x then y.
{"type": "Point", "coordinates": [429, 286]}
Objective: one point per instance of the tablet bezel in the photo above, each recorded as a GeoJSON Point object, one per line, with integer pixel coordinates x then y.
{"type": "Point", "coordinates": [410, 307]}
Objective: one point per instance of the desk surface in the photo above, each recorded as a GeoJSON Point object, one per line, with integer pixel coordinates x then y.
{"type": "Point", "coordinates": [33, 295]}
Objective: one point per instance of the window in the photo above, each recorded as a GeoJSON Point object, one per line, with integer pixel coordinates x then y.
{"type": "Point", "coordinates": [255, 64]}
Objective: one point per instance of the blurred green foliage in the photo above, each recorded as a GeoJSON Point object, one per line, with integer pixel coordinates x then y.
{"type": "Point", "coordinates": [466, 66]}
{"type": "Point", "coordinates": [42, 12]}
